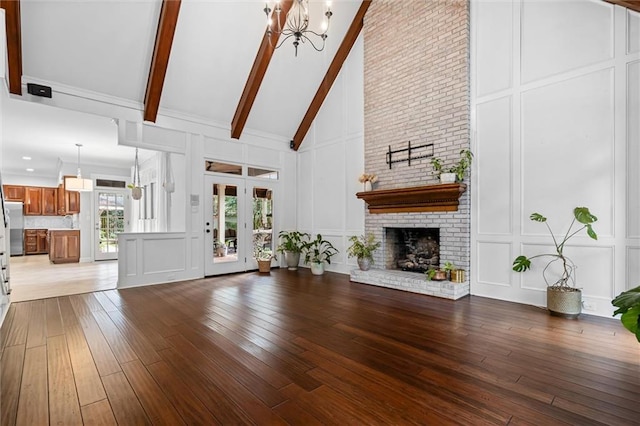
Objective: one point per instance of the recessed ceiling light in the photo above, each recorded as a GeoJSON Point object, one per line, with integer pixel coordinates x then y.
{"type": "Point", "coordinates": [26, 158]}
{"type": "Point", "coordinates": [29, 170]}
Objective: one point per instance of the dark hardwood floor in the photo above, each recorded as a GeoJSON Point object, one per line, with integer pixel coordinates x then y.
{"type": "Point", "coordinates": [299, 349]}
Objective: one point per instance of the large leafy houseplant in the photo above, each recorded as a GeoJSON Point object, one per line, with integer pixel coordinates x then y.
{"type": "Point", "coordinates": [317, 252]}
{"type": "Point", "coordinates": [565, 283]}
{"type": "Point", "coordinates": [291, 245]}
{"type": "Point", "coordinates": [362, 248]}
{"type": "Point", "coordinates": [628, 304]}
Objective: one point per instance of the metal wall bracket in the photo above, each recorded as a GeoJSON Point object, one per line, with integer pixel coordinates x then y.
{"type": "Point", "coordinates": [425, 150]}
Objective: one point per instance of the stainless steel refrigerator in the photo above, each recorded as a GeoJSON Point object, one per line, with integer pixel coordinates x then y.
{"type": "Point", "coordinates": [16, 227]}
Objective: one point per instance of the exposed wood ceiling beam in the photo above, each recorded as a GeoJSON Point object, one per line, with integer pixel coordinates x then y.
{"type": "Point", "coordinates": [14, 44]}
{"type": "Point", "coordinates": [631, 4]}
{"type": "Point", "coordinates": [160, 60]}
{"type": "Point", "coordinates": [331, 75]}
{"type": "Point", "coordinates": [259, 68]}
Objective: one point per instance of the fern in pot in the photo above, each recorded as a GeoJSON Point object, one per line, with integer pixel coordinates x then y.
{"type": "Point", "coordinates": [362, 249]}
{"type": "Point", "coordinates": [563, 299]}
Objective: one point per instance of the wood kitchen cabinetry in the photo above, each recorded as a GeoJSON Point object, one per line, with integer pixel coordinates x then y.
{"type": "Point", "coordinates": [14, 193]}
{"type": "Point", "coordinates": [35, 241]}
{"type": "Point", "coordinates": [68, 201]}
{"type": "Point", "coordinates": [49, 201]}
{"type": "Point", "coordinates": [64, 246]}
{"type": "Point", "coordinates": [44, 201]}
{"type": "Point", "coordinates": [33, 201]}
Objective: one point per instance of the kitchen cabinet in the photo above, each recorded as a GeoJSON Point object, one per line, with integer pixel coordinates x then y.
{"type": "Point", "coordinates": [49, 201]}
{"type": "Point", "coordinates": [35, 241]}
{"type": "Point", "coordinates": [64, 246]}
{"type": "Point", "coordinates": [68, 201]}
{"type": "Point", "coordinates": [32, 201]}
{"type": "Point", "coordinates": [14, 193]}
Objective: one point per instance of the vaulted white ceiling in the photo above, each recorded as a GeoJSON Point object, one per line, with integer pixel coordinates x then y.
{"type": "Point", "coordinates": [102, 49]}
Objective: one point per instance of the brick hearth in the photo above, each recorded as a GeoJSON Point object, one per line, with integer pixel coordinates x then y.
{"type": "Point", "coordinates": [410, 281]}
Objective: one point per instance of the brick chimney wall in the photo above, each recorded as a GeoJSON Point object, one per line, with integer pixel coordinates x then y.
{"type": "Point", "coordinates": [416, 88]}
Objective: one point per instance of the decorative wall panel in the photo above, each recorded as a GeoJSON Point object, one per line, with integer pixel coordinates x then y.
{"type": "Point", "coordinates": [494, 260]}
{"type": "Point", "coordinates": [567, 151]}
{"type": "Point", "coordinates": [633, 150]}
{"type": "Point", "coordinates": [560, 36]}
{"type": "Point", "coordinates": [493, 162]}
{"type": "Point", "coordinates": [633, 34]}
{"type": "Point", "coordinates": [495, 46]}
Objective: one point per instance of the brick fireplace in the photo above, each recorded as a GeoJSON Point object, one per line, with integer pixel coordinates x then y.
{"type": "Point", "coordinates": [417, 90]}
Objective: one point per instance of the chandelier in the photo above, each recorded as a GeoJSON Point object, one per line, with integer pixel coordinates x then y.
{"type": "Point", "coordinates": [296, 24]}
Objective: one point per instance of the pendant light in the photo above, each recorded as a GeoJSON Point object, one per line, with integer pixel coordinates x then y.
{"type": "Point", "coordinates": [77, 183]}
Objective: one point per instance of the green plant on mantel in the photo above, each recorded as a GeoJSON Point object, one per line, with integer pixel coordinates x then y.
{"type": "Point", "coordinates": [460, 169]}
{"type": "Point", "coordinates": [628, 304]}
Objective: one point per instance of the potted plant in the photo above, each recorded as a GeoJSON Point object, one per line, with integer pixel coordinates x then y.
{"type": "Point", "coordinates": [263, 257]}
{"type": "Point", "coordinates": [136, 191]}
{"type": "Point", "coordinates": [317, 252]}
{"type": "Point", "coordinates": [453, 173]}
{"type": "Point", "coordinates": [291, 245]}
{"type": "Point", "coordinates": [454, 274]}
{"type": "Point", "coordinates": [563, 299]}
{"type": "Point", "coordinates": [436, 274]}
{"type": "Point", "coordinates": [628, 304]}
{"type": "Point", "coordinates": [262, 252]}
{"type": "Point", "coordinates": [220, 248]}
{"type": "Point", "coordinates": [362, 248]}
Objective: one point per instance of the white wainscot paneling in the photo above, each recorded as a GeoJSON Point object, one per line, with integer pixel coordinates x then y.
{"type": "Point", "coordinates": [494, 46]}
{"type": "Point", "coordinates": [306, 189]}
{"type": "Point", "coordinates": [338, 242]}
{"type": "Point", "coordinates": [568, 151]}
{"type": "Point", "coordinates": [633, 267]}
{"type": "Point", "coordinates": [633, 32]}
{"type": "Point", "coordinates": [354, 153]}
{"type": "Point", "coordinates": [329, 187]}
{"type": "Point", "coordinates": [153, 258]}
{"type": "Point", "coordinates": [493, 161]}
{"type": "Point", "coordinates": [559, 36]}
{"type": "Point", "coordinates": [494, 263]}
{"type": "Point", "coordinates": [594, 272]}
{"type": "Point", "coordinates": [196, 261]}
{"type": "Point", "coordinates": [164, 254]}
{"type": "Point", "coordinates": [263, 157]}
{"type": "Point", "coordinates": [223, 150]}
{"type": "Point", "coordinates": [633, 150]}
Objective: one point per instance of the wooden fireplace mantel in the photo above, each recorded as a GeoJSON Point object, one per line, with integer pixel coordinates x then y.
{"type": "Point", "coordinates": [429, 198]}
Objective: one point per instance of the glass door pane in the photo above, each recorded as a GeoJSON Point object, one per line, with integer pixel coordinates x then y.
{"type": "Point", "coordinates": [110, 222]}
{"type": "Point", "coordinates": [263, 241]}
{"type": "Point", "coordinates": [225, 249]}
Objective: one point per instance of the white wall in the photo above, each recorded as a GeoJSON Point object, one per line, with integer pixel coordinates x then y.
{"type": "Point", "coordinates": [555, 112]}
{"type": "Point", "coordinates": [331, 159]}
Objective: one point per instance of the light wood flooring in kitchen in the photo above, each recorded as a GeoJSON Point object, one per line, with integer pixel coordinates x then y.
{"type": "Point", "coordinates": [34, 277]}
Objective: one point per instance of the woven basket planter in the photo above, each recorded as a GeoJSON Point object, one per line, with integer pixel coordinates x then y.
{"type": "Point", "coordinates": [565, 303]}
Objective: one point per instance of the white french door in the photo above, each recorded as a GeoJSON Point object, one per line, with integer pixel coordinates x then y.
{"type": "Point", "coordinates": [110, 217]}
{"type": "Point", "coordinates": [238, 220]}
{"type": "Point", "coordinates": [225, 220]}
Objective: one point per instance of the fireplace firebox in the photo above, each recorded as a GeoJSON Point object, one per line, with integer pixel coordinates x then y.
{"type": "Point", "coordinates": [412, 249]}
